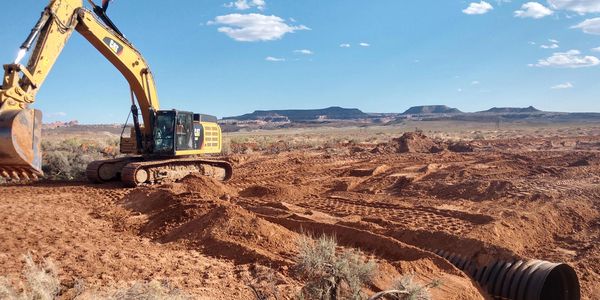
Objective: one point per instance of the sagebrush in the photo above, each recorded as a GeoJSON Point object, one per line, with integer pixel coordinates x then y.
{"type": "Point", "coordinates": [41, 282]}
{"type": "Point", "coordinates": [332, 275]}
{"type": "Point", "coordinates": [68, 159]}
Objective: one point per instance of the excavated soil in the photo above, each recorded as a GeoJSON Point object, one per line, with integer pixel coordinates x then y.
{"type": "Point", "coordinates": [485, 200]}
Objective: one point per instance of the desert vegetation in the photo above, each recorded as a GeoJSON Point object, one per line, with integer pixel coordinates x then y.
{"type": "Point", "coordinates": [329, 271]}
{"type": "Point", "coordinates": [67, 159]}
{"type": "Point", "coordinates": [332, 275]}
{"type": "Point", "coordinates": [40, 281]}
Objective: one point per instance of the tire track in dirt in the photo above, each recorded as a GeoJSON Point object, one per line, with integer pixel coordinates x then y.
{"type": "Point", "coordinates": [419, 218]}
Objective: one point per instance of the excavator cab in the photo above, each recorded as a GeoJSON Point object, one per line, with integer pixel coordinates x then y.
{"type": "Point", "coordinates": [178, 133]}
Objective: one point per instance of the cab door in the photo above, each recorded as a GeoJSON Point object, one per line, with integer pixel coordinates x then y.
{"type": "Point", "coordinates": [184, 131]}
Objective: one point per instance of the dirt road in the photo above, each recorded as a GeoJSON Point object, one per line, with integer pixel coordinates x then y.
{"type": "Point", "coordinates": [529, 198]}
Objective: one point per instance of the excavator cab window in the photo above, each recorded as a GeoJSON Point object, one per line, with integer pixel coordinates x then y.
{"type": "Point", "coordinates": [184, 131]}
{"type": "Point", "coordinates": [164, 132]}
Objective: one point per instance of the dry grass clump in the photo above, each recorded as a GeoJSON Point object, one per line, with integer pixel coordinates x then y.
{"type": "Point", "coordinates": [153, 290]}
{"type": "Point", "coordinates": [406, 288]}
{"type": "Point", "coordinates": [68, 159]}
{"type": "Point", "coordinates": [332, 275]}
{"type": "Point", "coordinates": [41, 282]}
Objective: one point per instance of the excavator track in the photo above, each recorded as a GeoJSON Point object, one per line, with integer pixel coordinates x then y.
{"type": "Point", "coordinates": [162, 171]}
{"type": "Point", "coordinates": [101, 171]}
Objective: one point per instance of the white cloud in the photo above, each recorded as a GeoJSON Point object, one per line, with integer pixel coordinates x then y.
{"type": "Point", "coordinates": [254, 27]}
{"type": "Point", "coordinates": [597, 49]}
{"type": "Point", "coordinates": [551, 46]}
{"type": "Point", "coordinates": [569, 59]}
{"type": "Point", "coordinates": [562, 86]}
{"type": "Point", "coordinates": [475, 82]}
{"type": "Point", "coordinates": [345, 46]}
{"type": "Point", "coordinates": [579, 6]}
{"type": "Point", "coordinates": [591, 26]}
{"type": "Point", "coordinates": [478, 8]}
{"type": "Point", "coordinates": [246, 4]}
{"type": "Point", "coordinates": [553, 41]}
{"type": "Point", "coordinates": [363, 44]}
{"type": "Point", "coordinates": [304, 51]}
{"type": "Point", "coordinates": [274, 59]}
{"type": "Point", "coordinates": [533, 10]}
{"type": "Point", "coordinates": [459, 90]}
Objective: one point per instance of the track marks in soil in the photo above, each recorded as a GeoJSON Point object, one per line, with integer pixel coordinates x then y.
{"type": "Point", "coordinates": [418, 218]}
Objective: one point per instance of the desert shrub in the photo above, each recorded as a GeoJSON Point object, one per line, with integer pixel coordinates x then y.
{"type": "Point", "coordinates": [68, 159]}
{"type": "Point", "coordinates": [406, 288]}
{"type": "Point", "coordinates": [263, 283]}
{"type": "Point", "coordinates": [41, 282]}
{"type": "Point", "coordinates": [331, 275]}
{"type": "Point", "coordinates": [226, 147]}
{"type": "Point", "coordinates": [153, 290]}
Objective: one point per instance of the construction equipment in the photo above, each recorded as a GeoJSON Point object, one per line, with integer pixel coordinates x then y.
{"type": "Point", "coordinates": [163, 146]}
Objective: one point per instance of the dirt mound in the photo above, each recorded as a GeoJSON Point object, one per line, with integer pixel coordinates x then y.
{"type": "Point", "coordinates": [161, 211]}
{"type": "Point", "coordinates": [219, 228]}
{"type": "Point", "coordinates": [461, 147]}
{"type": "Point", "coordinates": [206, 187]}
{"type": "Point", "coordinates": [410, 142]}
{"type": "Point", "coordinates": [230, 231]}
{"type": "Point", "coordinates": [268, 191]}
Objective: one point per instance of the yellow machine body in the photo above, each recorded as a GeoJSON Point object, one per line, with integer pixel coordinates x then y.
{"type": "Point", "coordinates": [20, 125]}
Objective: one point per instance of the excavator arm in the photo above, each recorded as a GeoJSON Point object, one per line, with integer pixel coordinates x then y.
{"type": "Point", "coordinates": [20, 126]}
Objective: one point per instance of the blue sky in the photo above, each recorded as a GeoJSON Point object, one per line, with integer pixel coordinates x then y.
{"type": "Point", "coordinates": [229, 58]}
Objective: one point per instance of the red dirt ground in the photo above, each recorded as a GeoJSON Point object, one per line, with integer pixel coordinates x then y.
{"type": "Point", "coordinates": [527, 198]}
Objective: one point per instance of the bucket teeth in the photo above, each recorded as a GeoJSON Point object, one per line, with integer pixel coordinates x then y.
{"type": "Point", "coordinates": [15, 175]}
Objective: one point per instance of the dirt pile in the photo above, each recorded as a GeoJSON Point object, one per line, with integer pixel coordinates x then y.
{"type": "Point", "coordinates": [279, 192]}
{"type": "Point", "coordinates": [417, 142]}
{"type": "Point", "coordinates": [207, 187]}
{"type": "Point", "coordinates": [215, 227]}
{"type": "Point", "coordinates": [232, 232]}
{"type": "Point", "coordinates": [460, 147]}
{"type": "Point", "coordinates": [410, 142]}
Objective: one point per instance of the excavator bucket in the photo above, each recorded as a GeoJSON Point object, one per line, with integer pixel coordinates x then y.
{"type": "Point", "coordinates": [20, 144]}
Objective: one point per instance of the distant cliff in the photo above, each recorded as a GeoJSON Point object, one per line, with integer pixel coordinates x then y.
{"type": "Point", "coordinates": [58, 124]}
{"type": "Point", "coordinates": [298, 115]}
{"type": "Point", "coordinates": [504, 110]}
{"type": "Point", "coordinates": [431, 109]}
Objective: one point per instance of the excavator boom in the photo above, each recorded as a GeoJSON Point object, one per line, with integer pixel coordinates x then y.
{"type": "Point", "coordinates": [20, 125]}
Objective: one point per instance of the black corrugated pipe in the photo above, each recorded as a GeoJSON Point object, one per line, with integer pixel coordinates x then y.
{"type": "Point", "coordinates": [521, 280]}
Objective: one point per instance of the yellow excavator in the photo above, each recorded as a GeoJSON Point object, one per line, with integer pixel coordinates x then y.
{"type": "Point", "coordinates": [165, 145]}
